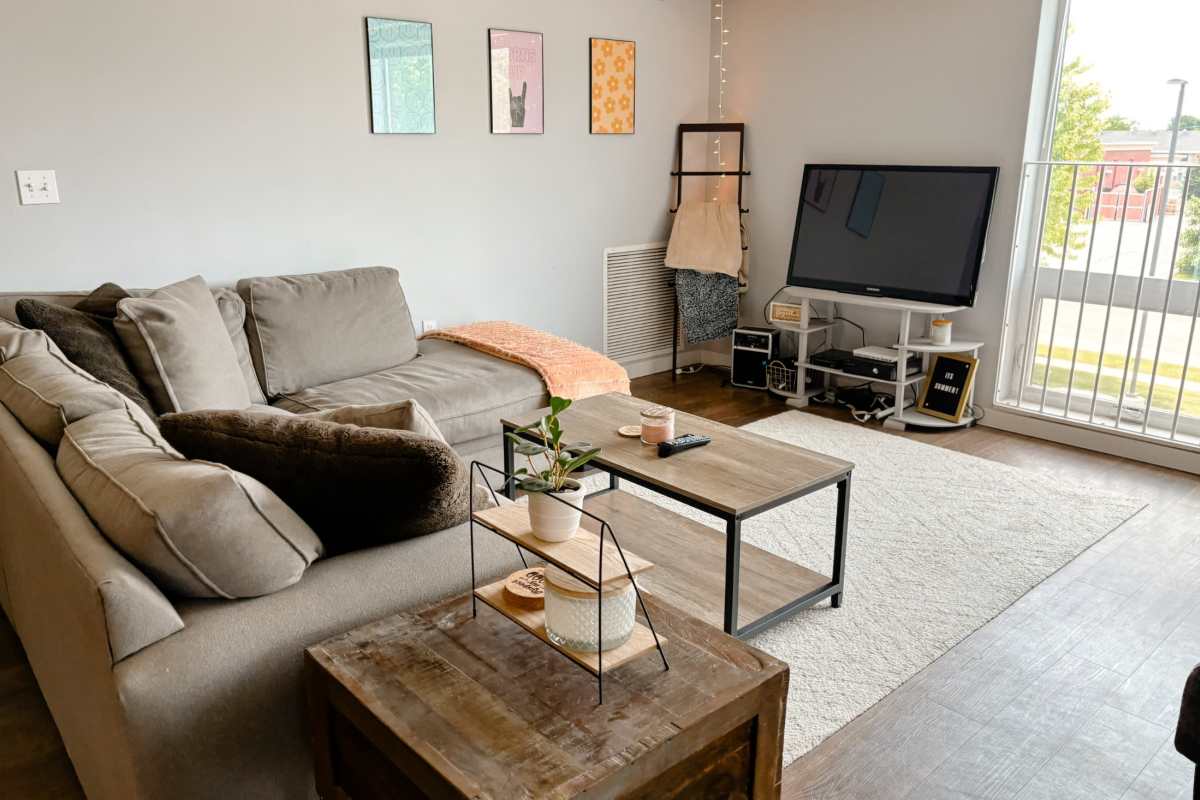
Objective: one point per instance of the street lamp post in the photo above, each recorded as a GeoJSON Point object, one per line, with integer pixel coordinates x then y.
{"type": "Point", "coordinates": [1132, 391]}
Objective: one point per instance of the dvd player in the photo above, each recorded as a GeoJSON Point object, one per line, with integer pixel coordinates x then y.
{"type": "Point", "coordinates": [831, 359]}
{"type": "Point", "coordinates": [879, 370]}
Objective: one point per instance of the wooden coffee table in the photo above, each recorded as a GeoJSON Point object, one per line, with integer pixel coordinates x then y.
{"type": "Point", "coordinates": [735, 477]}
{"type": "Point", "coordinates": [436, 704]}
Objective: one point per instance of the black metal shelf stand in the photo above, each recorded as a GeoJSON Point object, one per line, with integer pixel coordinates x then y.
{"type": "Point", "coordinates": [507, 488]}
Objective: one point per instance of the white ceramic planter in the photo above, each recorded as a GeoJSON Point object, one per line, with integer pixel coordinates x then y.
{"type": "Point", "coordinates": [553, 521]}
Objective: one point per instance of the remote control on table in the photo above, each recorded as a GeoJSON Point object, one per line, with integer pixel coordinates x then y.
{"type": "Point", "coordinates": [681, 443]}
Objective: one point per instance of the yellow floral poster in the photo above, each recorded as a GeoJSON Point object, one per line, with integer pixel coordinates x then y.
{"type": "Point", "coordinates": [614, 85]}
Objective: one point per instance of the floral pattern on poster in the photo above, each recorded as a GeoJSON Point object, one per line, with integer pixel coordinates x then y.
{"type": "Point", "coordinates": [614, 85]}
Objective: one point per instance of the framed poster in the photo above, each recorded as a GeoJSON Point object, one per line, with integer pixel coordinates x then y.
{"type": "Point", "coordinates": [614, 85]}
{"type": "Point", "coordinates": [400, 63]}
{"type": "Point", "coordinates": [946, 387]}
{"type": "Point", "coordinates": [515, 69]}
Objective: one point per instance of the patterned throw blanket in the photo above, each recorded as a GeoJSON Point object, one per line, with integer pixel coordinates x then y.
{"type": "Point", "coordinates": [569, 369]}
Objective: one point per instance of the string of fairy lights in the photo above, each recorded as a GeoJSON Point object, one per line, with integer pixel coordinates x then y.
{"type": "Point", "coordinates": [720, 25]}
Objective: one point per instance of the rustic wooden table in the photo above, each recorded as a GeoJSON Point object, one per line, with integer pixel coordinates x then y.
{"type": "Point", "coordinates": [436, 704]}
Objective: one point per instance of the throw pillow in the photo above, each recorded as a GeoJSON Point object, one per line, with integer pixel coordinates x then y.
{"type": "Point", "coordinates": [197, 529]}
{"type": "Point", "coordinates": [46, 392]}
{"type": "Point", "coordinates": [306, 330]}
{"type": "Point", "coordinates": [17, 340]}
{"type": "Point", "coordinates": [357, 487]}
{"type": "Point", "coordinates": [233, 313]}
{"type": "Point", "coordinates": [406, 415]}
{"type": "Point", "coordinates": [181, 349]}
{"type": "Point", "coordinates": [89, 341]}
{"type": "Point", "coordinates": [103, 300]}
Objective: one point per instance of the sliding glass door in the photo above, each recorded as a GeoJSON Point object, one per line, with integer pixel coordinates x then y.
{"type": "Point", "coordinates": [1101, 328]}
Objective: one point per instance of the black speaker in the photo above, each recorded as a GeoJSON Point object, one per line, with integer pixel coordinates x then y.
{"type": "Point", "coordinates": [753, 349]}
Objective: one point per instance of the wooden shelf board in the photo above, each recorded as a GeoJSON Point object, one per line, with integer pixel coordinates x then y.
{"type": "Point", "coordinates": [534, 621]}
{"type": "Point", "coordinates": [691, 561]}
{"type": "Point", "coordinates": [579, 555]}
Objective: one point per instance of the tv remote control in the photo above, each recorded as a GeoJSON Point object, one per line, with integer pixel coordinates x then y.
{"type": "Point", "coordinates": [681, 443]}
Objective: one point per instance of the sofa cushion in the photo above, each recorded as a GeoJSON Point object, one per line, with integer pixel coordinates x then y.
{"type": "Point", "coordinates": [306, 330]}
{"type": "Point", "coordinates": [46, 392]}
{"type": "Point", "coordinates": [465, 391]}
{"type": "Point", "coordinates": [405, 415]}
{"type": "Point", "coordinates": [357, 487]}
{"type": "Point", "coordinates": [233, 313]}
{"type": "Point", "coordinates": [235, 672]}
{"type": "Point", "coordinates": [17, 340]}
{"type": "Point", "coordinates": [197, 529]}
{"type": "Point", "coordinates": [89, 341]}
{"type": "Point", "coordinates": [181, 349]}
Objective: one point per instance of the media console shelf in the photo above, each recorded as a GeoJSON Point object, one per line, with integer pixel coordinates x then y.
{"type": "Point", "coordinates": [900, 416]}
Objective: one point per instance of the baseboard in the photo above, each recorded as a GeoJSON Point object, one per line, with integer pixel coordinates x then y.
{"type": "Point", "coordinates": [649, 365]}
{"type": "Point", "coordinates": [1160, 455]}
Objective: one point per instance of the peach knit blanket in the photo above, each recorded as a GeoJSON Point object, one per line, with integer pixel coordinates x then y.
{"type": "Point", "coordinates": [569, 369]}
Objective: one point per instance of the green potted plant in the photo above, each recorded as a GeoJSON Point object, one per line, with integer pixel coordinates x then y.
{"type": "Point", "coordinates": [548, 476]}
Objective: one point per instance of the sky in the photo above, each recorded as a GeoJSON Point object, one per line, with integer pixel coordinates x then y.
{"type": "Point", "coordinates": [1134, 47]}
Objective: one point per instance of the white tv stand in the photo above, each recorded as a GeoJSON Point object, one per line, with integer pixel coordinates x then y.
{"type": "Point", "coordinates": [898, 416]}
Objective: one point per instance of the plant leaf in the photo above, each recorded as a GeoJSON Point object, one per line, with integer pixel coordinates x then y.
{"type": "Point", "coordinates": [559, 405]}
{"type": "Point", "coordinates": [535, 485]}
{"type": "Point", "coordinates": [529, 449]}
{"type": "Point", "coordinates": [580, 460]}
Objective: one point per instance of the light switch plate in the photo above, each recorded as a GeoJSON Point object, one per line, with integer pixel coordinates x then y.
{"type": "Point", "coordinates": [37, 186]}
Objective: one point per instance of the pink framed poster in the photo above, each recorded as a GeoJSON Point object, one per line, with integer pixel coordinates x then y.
{"type": "Point", "coordinates": [515, 62]}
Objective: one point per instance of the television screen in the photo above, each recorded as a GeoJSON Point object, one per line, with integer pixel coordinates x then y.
{"type": "Point", "coordinates": [914, 233]}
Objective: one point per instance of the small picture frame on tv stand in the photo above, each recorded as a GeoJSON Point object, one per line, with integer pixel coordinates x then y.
{"type": "Point", "coordinates": [947, 386]}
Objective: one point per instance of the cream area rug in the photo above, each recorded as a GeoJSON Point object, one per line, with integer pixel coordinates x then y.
{"type": "Point", "coordinates": [939, 543]}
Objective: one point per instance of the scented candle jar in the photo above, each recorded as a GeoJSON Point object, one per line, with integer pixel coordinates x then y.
{"type": "Point", "coordinates": [573, 610]}
{"type": "Point", "coordinates": [658, 424]}
{"type": "Point", "coordinates": [939, 331]}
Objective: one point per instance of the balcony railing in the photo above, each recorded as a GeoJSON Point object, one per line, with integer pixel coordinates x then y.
{"type": "Point", "coordinates": [1101, 316]}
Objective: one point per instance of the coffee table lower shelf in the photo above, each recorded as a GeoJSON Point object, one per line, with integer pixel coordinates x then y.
{"type": "Point", "coordinates": [640, 642]}
{"type": "Point", "coordinates": [689, 559]}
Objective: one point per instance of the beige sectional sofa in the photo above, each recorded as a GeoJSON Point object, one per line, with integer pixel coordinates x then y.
{"type": "Point", "coordinates": [162, 697]}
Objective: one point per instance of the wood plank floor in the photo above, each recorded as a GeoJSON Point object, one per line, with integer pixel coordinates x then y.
{"type": "Point", "coordinates": [1070, 693]}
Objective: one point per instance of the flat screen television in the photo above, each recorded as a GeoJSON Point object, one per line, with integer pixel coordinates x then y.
{"type": "Point", "coordinates": [912, 233]}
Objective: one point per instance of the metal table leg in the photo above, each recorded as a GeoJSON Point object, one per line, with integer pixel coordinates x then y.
{"type": "Point", "coordinates": [839, 542]}
{"type": "Point", "coordinates": [733, 572]}
{"type": "Point", "coordinates": [510, 488]}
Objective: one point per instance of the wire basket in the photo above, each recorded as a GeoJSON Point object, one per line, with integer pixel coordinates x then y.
{"type": "Point", "coordinates": [781, 378]}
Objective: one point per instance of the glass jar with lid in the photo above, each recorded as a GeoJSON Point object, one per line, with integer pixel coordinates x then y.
{"type": "Point", "coordinates": [658, 424]}
{"type": "Point", "coordinates": [573, 610]}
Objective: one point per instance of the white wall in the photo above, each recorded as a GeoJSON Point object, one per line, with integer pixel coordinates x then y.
{"type": "Point", "coordinates": [233, 138]}
{"type": "Point", "coordinates": [917, 82]}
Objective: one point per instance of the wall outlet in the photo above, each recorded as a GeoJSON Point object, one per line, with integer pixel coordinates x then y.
{"type": "Point", "coordinates": [37, 186]}
{"type": "Point", "coordinates": [427, 325]}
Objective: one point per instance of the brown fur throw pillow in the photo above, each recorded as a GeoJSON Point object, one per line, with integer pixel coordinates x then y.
{"type": "Point", "coordinates": [89, 341]}
{"type": "Point", "coordinates": [356, 487]}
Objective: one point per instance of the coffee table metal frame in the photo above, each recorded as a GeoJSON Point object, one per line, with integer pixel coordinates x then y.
{"type": "Point", "coordinates": [834, 589]}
